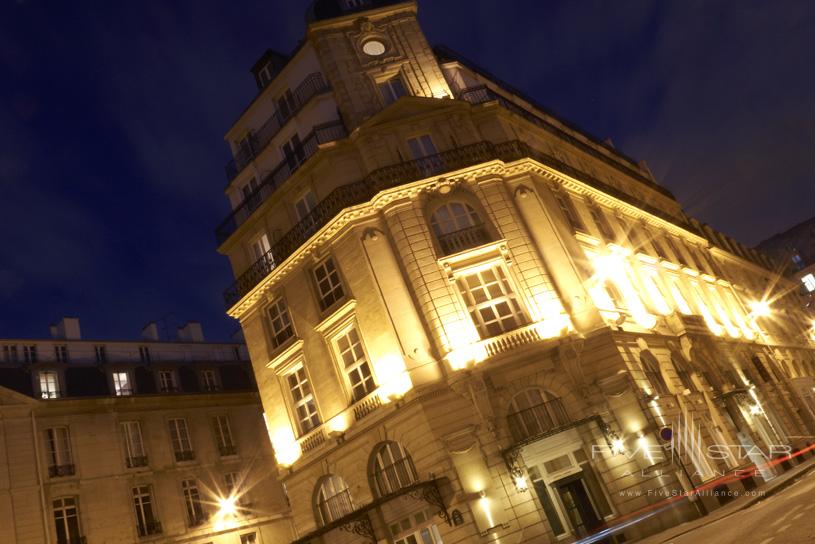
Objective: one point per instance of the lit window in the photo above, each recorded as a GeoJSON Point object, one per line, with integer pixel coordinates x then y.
{"type": "Point", "coordinates": [101, 354]}
{"type": "Point", "coordinates": [329, 285]}
{"type": "Point", "coordinates": [30, 354]}
{"type": "Point", "coordinates": [61, 353]}
{"type": "Point", "coordinates": [223, 436]}
{"type": "Point", "coordinates": [66, 521]}
{"type": "Point", "coordinates": [166, 381]}
{"type": "Point", "coordinates": [280, 321]}
{"type": "Point", "coordinates": [391, 90]}
{"type": "Point", "coordinates": [393, 469]}
{"type": "Point", "coordinates": [303, 399]}
{"type": "Point", "coordinates": [261, 248]}
{"type": "Point", "coordinates": [209, 380]}
{"type": "Point", "coordinates": [180, 439]}
{"type": "Point", "coordinates": [122, 386]}
{"type": "Point", "coordinates": [60, 459]}
{"type": "Point", "coordinates": [249, 538]}
{"type": "Point", "coordinates": [333, 500]}
{"type": "Point", "coordinates": [491, 302]}
{"type": "Point", "coordinates": [566, 205]}
{"type": "Point", "coordinates": [146, 521]}
{"type": "Point", "coordinates": [533, 412]}
{"type": "Point", "coordinates": [192, 503]}
{"type": "Point", "coordinates": [457, 227]}
{"type": "Point", "coordinates": [352, 356]}
{"type": "Point", "coordinates": [135, 456]}
{"type": "Point", "coordinates": [49, 384]}
{"type": "Point", "coordinates": [809, 282]}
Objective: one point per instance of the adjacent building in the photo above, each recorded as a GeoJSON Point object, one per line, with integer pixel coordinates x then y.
{"type": "Point", "coordinates": [471, 321]}
{"type": "Point", "coordinates": [795, 248]}
{"type": "Point", "coordinates": [133, 441]}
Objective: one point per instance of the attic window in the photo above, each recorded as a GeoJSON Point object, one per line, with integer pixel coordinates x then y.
{"type": "Point", "coordinates": [265, 75]}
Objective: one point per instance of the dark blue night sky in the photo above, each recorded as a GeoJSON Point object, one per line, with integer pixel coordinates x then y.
{"type": "Point", "coordinates": [112, 117]}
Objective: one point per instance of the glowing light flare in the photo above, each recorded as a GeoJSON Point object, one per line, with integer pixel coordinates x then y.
{"type": "Point", "coordinates": [755, 409]}
{"type": "Point", "coordinates": [617, 446]}
{"type": "Point", "coordinates": [339, 423]}
{"type": "Point", "coordinates": [553, 327]}
{"type": "Point", "coordinates": [227, 515]}
{"type": "Point", "coordinates": [613, 268]}
{"type": "Point", "coordinates": [714, 327]}
{"type": "Point", "coordinates": [286, 448]}
{"type": "Point", "coordinates": [681, 304]}
{"type": "Point", "coordinates": [393, 377]}
{"type": "Point", "coordinates": [760, 309]}
{"type": "Point", "coordinates": [521, 483]}
{"type": "Point", "coordinates": [661, 306]}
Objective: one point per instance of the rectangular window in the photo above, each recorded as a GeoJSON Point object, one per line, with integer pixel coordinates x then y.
{"type": "Point", "coordinates": [144, 354]}
{"type": "Point", "coordinates": [280, 321]}
{"type": "Point", "coordinates": [146, 521]}
{"type": "Point", "coordinates": [223, 436]}
{"type": "Point", "coordinates": [166, 381]}
{"type": "Point", "coordinates": [422, 146]}
{"type": "Point", "coordinates": [135, 456]}
{"type": "Point", "coordinates": [249, 538]}
{"type": "Point", "coordinates": [391, 90]}
{"type": "Point", "coordinates": [60, 460]}
{"type": "Point", "coordinates": [491, 302]}
{"type": "Point", "coordinates": [673, 246]}
{"type": "Point", "coordinates": [304, 205]}
{"type": "Point", "coordinates": [261, 248]}
{"type": "Point", "coordinates": [286, 105]}
{"type": "Point", "coordinates": [351, 354]}
{"type": "Point", "coordinates": [660, 251]}
{"type": "Point", "coordinates": [101, 354]}
{"type": "Point", "coordinates": [66, 520]}
{"type": "Point", "coordinates": [122, 386]}
{"type": "Point", "coordinates": [329, 286]}
{"type": "Point", "coordinates": [303, 400]}
{"type": "Point", "coordinates": [49, 384]}
{"type": "Point", "coordinates": [566, 205]}
{"type": "Point", "coordinates": [61, 353]}
{"type": "Point", "coordinates": [602, 223]}
{"type": "Point", "coordinates": [30, 354]}
{"type": "Point", "coordinates": [232, 485]}
{"type": "Point", "coordinates": [180, 439]}
{"type": "Point", "coordinates": [293, 153]}
{"type": "Point", "coordinates": [251, 198]}
{"type": "Point", "coordinates": [10, 354]}
{"type": "Point", "coordinates": [209, 381]}
{"type": "Point", "coordinates": [192, 503]}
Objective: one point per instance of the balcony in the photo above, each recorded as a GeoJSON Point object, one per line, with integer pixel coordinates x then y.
{"type": "Point", "coordinates": [185, 455]}
{"type": "Point", "coordinates": [367, 405]}
{"type": "Point", "coordinates": [150, 528]}
{"type": "Point", "coordinates": [462, 239]}
{"type": "Point", "coordinates": [57, 471]}
{"type": "Point", "coordinates": [321, 134]}
{"type": "Point", "coordinates": [537, 420]}
{"type": "Point", "coordinates": [227, 449]}
{"type": "Point", "coordinates": [313, 85]}
{"type": "Point", "coordinates": [312, 440]}
{"type": "Point", "coordinates": [135, 462]}
{"type": "Point", "coordinates": [334, 508]}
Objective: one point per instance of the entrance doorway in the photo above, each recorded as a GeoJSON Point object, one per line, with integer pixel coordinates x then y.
{"type": "Point", "coordinates": [578, 505]}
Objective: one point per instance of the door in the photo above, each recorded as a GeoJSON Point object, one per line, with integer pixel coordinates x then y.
{"type": "Point", "coordinates": [578, 507]}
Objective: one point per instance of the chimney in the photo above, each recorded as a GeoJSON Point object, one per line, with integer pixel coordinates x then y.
{"type": "Point", "coordinates": [66, 329]}
{"type": "Point", "coordinates": [191, 331]}
{"type": "Point", "coordinates": [150, 331]}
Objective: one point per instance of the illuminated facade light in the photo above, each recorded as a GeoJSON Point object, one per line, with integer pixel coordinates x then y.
{"type": "Point", "coordinates": [809, 282]}
{"type": "Point", "coordinates": [760, 309]}
{"type": "Point", "coordinates": [617, 446]}
{"type": "Point", "coordinates": [520, 483]}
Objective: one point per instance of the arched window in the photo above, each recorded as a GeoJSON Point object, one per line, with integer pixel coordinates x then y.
{"type": "Point", "coordinates": [333, 500]}
{"type": "Point", "coordinates": [533, 412]}
{"type": "Point", "coordinates": [392, 469]}
{"type": "Point", "coordinates": [457, 226]}
{"type": "Point", "coordinates": [650, 366]}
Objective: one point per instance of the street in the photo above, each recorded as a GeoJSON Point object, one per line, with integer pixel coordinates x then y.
{"type": "Point", "coordinates": [786, 517]}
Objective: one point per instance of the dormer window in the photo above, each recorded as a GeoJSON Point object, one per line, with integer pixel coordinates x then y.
{"type": "Point", "coordinates": [457, 226]}
{"type": "Point", "coordinates": [49, 384]}
{"type": "Point", "coordinates": [391, 90]}
{"type": "Point", "coordinates": [265, 75]}
{"type": "Point", "coordinates": [167, 382]}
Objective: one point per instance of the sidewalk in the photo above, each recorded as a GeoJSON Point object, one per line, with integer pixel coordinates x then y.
{"type": "Point", "coordinates": [766, 490]}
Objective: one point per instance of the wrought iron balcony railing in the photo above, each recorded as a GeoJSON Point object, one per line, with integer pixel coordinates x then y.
{"type": "Point", "coordinates": [333, 508]}
{"type": "Point", "coordinates": [56, 471]}
{"type": "Point", "coordinates": [137, 461]}
{"type": "Point", "coordinates": [538, 419]}
{"type": "Point", "coordinates": [185, 455]}
{"type": "Point", "coordinates": [227, 449]}
{"type": "Point", "coordinates": [313, 85]}
{"type": "Point", "coordinates": [400, 174]}
{"type": "Point", "coordinates": [398, 475]}
{"type": "Point", "coordinates": [321, 134]}
{"type": "Point", "coordinates": [466, 238]}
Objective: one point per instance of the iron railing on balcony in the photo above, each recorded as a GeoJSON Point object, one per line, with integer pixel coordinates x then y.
{"type": "Point", "coordinates": [398, 475]}
{"type": "Point", "coordinates": [137, 461]}
{"type": "Point", "coordinates": [310, 87]}
{"type": "Point", "coordinates": [321, 134]}
{"type": "Point", "coordinates": [335, 507]}
{"type": "Point", "coordinates": [466, 238]}
{"type": "Point", "coordinates": [56, 471]}
{"type": "Point", "coordinates": [538, 419]}
{"type": "Point", "coordinates": [227, 449]}
{"type": "Point", "coordinates": [185, 455]}
{"type": "Point", "coordinates": [400, 174]}
{"type": "Point", "coordinates": [481, 94]}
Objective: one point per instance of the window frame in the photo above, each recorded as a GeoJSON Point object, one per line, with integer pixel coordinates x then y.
{"type": "Point", "coordinates": [509, 293]}
{"type": "Point", "coordinates": [118, 390]}
{"type": "Point", "coordinates": [389, 92]}
{"type": "Point", "coordinates": [282, 319]}
{"type": "Point", "coordinates": [59, 451]}
{"type": "Point", "coordinates": [194, 509]}
{"type": "Point", "coordinates": [170, 386]}
{"type": "Point", "coordinates": [49, 392]}
{"type": "Point", "coordinates": [145, 527]}
{"type": "Point", "coordinates": [343, 333]}
{"type": "Point", "coordinates": [224, 438]}
{"type": "Point", "coordinates": [130, 450]}
{"type": "Point", "coordinates": [328, 300]}
{"type": "Point", "coordinates": [307, 399]}
{"type": "Point", "coordinates": [179, 453]}
{"type": "Point", "coordinates": [72, 537]}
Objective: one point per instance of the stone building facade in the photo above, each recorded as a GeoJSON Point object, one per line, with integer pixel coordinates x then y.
{"type": "Point", "coordinates": [133, 441]}
{"type": "Point", "coordinates": [470, 321]}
